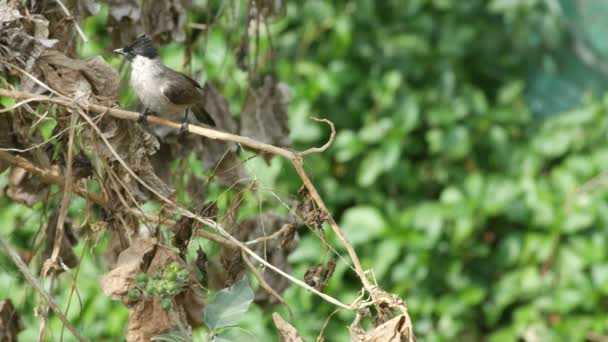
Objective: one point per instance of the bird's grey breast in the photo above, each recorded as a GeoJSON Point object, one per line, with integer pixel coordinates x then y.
{"type": "Point", "coordinates": [147, 82]}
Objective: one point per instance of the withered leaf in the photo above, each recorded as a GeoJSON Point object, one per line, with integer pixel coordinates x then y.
{"type": "Point", "coordinates": [287, 333]}
{"type": "Point", "coordinates": [70, 76]}
{"type": "Point", "coordinates": [264, 117]}
{"type": "Point", "coordinates": [395, 330]}
{"type": "Point", "coordinates": [147, 319]}
{"type": "Point", "coordinates": [10, 322]}
{"type": "Point", "coordinates": [87, 7]}
{"type": "Point", "coordinates": [123, 21]}
{"type": "Point", "coordinates": [318, 276]}
{"type": "Point", "coordinates": [164, 18]}
{"type": "Point", "coordinates": [25, 188]}
{"type": "Point", "coordinates": [312, 216]}
{"type": "Point", "coordinates": [119, 280]}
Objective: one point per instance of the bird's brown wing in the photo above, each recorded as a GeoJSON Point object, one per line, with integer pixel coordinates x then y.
{"type": "Point", "coordinates": [180, 89]}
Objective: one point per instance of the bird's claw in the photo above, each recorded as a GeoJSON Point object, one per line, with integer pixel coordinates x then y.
{"type": "Point", "coordinates": [183, 128]}
{"type": "Point", "coordinates": [143, 118]}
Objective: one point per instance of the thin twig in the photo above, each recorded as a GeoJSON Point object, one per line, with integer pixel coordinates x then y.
{"type": "Point", "coordinates": [67, 14]}
{"type": "Point", "coordinates": [50, 176]}
{"type": "Point", "coordinates": [272, 236]}
{"type": "Point", "coordinates": [32, 280]}
{"type": "Point", "coordinates": [65, 200]}
{"type": "Point", "coordinates": [330, 141]}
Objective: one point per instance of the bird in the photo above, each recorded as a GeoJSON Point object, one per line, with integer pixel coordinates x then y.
{"type": "Point", "coordinates": [161, 90]}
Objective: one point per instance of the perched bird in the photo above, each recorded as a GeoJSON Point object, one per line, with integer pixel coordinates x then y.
{"type": "Point", "coordinates": [162, 91]}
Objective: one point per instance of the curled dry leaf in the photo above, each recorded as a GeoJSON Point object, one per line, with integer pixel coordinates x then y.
{"type": "Point", "coordinates": [70, 76]}
{"type": "Point", "coordinates": [69, 240]}
{"type": "Point", "coordinates": [264, 117]}
{"type": "Point", "coordinates": [25, 188]}
{"type": "Point", "coordinates": [160, 19]}
{"type": "Point", "coordinates": [147, 319]}
{"type": "Point", "coordinates": [287, 333]}
{"type": "Point", "coordinates": [22, 39]}
{"type": "Point", "coordinates": [312, 216]}
{"type": "Point", "coordinates": [86, 8]}
{"type": "Point", "coordinates": [121, 278]}
{"type": "Point", "coordinates": [319, 276]}
{"type": "Point", "coordinates": [10, 322]}
{"type": "Point", "coordinates": [395, 330]}
{"type": "Point", "coordinates": [123, 21]}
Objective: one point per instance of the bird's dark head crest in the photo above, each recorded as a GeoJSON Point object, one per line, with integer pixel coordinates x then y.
{"type": "Point", "coordinates": [142, 46]}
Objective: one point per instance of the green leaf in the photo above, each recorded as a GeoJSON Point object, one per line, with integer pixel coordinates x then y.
{"type": "Point", "coordinates": [234, 334]}
{"type": "Point", "coordinates": [362, 223]}
{"type": "Point", "coordinates": [229, 305]}
{"type": "Point", "coordinates": [172, 337]}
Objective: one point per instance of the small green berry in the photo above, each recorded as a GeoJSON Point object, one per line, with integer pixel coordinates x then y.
{"type": "Point", "coordinates": [134, 294]}
{"type": "Point", "coordinates": [150, 289]}
{"type": "Point", "coordinates": [174, 266]}
{"type": "Point", "coordinates": [173, 287]}
{"type": "Point", "coordinates": [170, 275]}
{"type": "Point", "coordinates": [142, 278]}
{"type": "Point", "coordinates": [166, 304]}
{"type": "Point", "coordinates": [183, 275]}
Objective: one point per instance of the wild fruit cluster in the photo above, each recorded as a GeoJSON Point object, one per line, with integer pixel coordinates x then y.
{"type": "Point", "coordinates": [165, 284]}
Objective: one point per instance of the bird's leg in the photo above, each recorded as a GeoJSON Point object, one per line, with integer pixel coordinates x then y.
{"type": "Point", "coordinates": [143, 116]}
{"type": "Point", "coordinates": [184, 127]}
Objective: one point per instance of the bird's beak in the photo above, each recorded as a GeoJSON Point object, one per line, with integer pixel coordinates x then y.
{"type": "Point", "coordinates": [120, 52]}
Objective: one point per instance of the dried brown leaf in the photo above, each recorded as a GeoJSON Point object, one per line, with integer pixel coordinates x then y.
{"type": "Point", "coordinates": [119, 280]}
{"type": "Point", "coordinates": [312, 216]}
{"type": "Point", "coordinates": [25, 188]}
{"type": "Point", "coordinates": [124, 21]}
{"type": "Point", "coordinates": [318, 276]}
{"type": "Point", "coordinates": [264, 117]}
{"type": "Point", "coordinates": [86, 8]}
{"type": "Point", "coordinates": [70, 76]}
{"type": "Point", "coordinates": [10, 322]}
{"type": "Point", "coordinates": [164, 18]}
{"type": "Point", "coordinates": [395, 330]}
{"type": "Point", "coordinates": [147, 319]}
{"type": "Point", "coordinates": [287, 333]}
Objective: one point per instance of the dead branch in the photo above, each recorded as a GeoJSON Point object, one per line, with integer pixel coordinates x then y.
{"type": "Point", "coordinates": [51, 176]}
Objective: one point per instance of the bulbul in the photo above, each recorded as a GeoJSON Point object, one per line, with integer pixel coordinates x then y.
{"type": "Point", "coordinates": [162, 91]}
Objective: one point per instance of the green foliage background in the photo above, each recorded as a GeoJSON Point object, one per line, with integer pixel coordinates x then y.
{"type": "Point", "coordinates": [466, 131]}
